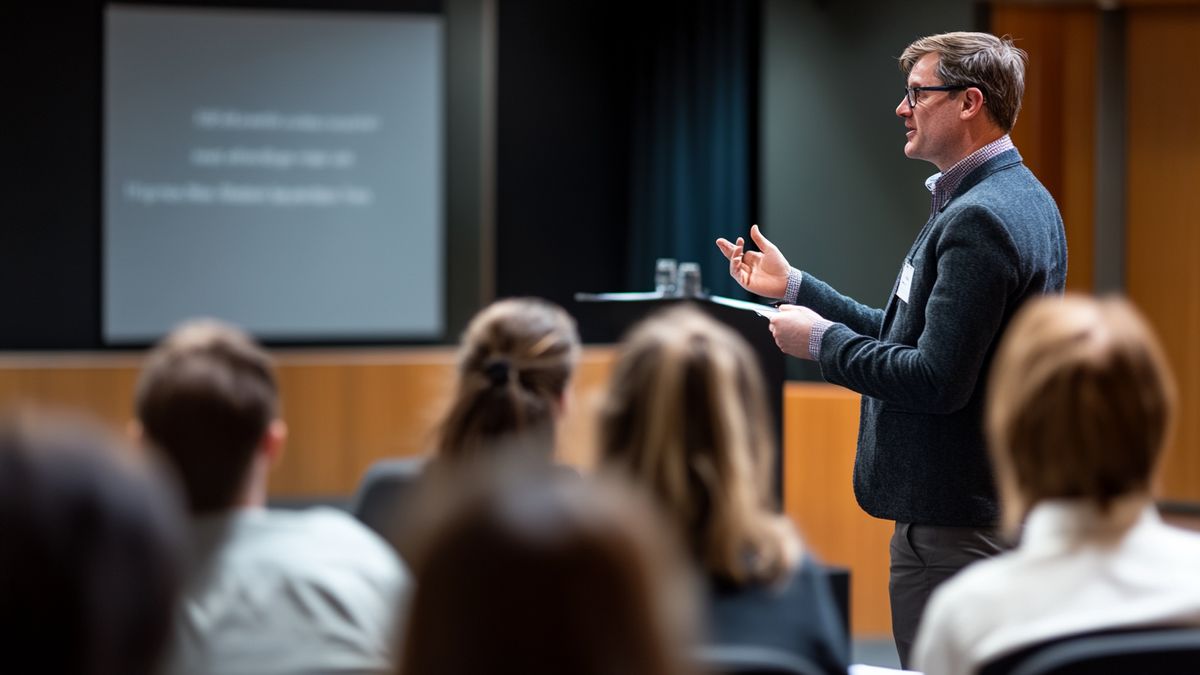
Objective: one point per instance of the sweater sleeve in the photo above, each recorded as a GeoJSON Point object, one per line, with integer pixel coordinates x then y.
{"type": "Point", "coordinates": [832, 305]}
{"type": "Point", "coordinates": [977, 264]}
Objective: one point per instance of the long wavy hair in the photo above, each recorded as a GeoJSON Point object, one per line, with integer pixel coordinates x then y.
{"type": "Point", "coordinates": [685, 417]}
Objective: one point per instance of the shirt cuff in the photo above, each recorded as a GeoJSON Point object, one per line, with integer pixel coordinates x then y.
{"type": "Point", "coordinates": [814, 338]}
{"type": "Point", "coordinates": [792, 292]}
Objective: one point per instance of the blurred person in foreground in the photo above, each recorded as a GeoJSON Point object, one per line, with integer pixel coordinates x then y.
{"type": "Point", "coordinates": [91, 556]}
{"type": "Point", "coordinates": [269, 591]}
{"type": "Point", "coordinates": [526, 570]}
{"type": "Point", "coordinates": [1080, 406]}
{"type": "Point", "coordinates": [686, 420]}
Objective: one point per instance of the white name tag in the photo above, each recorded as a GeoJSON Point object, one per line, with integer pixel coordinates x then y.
{"type": "Point", "coordinates": [905, 286]}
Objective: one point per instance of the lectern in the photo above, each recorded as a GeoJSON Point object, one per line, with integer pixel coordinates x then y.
{"type": "Point", "coordinates": [605, 317]}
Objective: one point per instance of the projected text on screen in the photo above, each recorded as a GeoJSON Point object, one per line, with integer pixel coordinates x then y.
{"type": "Point", "coordinates": [281, 170]}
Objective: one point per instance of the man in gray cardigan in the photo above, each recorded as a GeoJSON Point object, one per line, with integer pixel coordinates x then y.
{"type": "Point", "coordinates": [994, 239]}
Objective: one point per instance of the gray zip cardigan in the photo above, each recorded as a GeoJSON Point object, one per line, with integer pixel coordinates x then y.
{"type": "Point", "coordinates": [921, 365]}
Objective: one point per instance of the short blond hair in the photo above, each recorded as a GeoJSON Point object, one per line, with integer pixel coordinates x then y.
{"type": "Point", "coordinates": [685, 418]}
{"type": "Point", "coordinates": [1080, 403]}
{"type": "Point", "coordinates": [993, 64]}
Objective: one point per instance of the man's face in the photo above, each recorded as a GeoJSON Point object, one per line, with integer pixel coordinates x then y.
{"type": "Point", "coordinates": [933, 127]}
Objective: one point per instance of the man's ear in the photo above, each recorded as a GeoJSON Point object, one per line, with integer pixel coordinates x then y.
{"type": "Point", "coordinates": [273, 440]}
{"type": "Point", "coordinates": [972, 103]}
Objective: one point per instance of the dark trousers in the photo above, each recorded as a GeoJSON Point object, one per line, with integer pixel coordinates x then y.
{"type": "Point", "coordinates": [924, 556]}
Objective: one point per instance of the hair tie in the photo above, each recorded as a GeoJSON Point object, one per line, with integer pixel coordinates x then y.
{"type": "Point", "coordinates": [497, 372]}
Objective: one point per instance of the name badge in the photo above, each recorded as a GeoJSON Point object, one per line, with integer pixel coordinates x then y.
{"type": "Point", "coordinates": [905, 286]}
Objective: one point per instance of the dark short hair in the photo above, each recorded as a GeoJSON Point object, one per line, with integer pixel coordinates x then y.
{"type": "Point", "coordinates": [91, 561]}
{"type": "Point", "coordinates": [205, 398]}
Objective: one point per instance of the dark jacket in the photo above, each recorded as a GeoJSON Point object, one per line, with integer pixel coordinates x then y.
{"type": "Point", "coordinates": [798, 617]}
{"type": "Point", "coordinates": [921, 365]}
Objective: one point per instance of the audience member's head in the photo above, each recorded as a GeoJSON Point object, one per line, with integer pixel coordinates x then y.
{"type": "Point", "coordinates": [524, 569]}
{"type": "Point", "coordinates": [514, 366]}
{"type": "Point", "coordinates": [1080, 404]}
{"type": "Point", "coordinates": [686, 418]}
{"type": "Point", "coordinates": [90, 565]}
{"type": "Point", "coordinates": [208, 400]}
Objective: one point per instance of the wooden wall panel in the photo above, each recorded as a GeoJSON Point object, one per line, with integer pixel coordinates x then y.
{"type": "Point", "coordinates": [577, 434]}
{"type": "Point", "coordinates": [345, 409]}
{"type": "Point", "coordinates": [393, 409]}
{"type": "Point", "coordinates": [1056, 129]}
{"type": "Point", "coordinates": [1163, 219]}
{"type": "Point", "coordinates": [103, 385]}
{"type": "Point", "coordinates": [820, 436]}
{"type": "Point", "coordinates": [315, 402]}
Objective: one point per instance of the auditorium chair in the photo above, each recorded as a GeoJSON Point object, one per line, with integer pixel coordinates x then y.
{"type": "Point", "coordinates": [1162, 651]}
{"type": "Point", "coordinates": [748, 660]}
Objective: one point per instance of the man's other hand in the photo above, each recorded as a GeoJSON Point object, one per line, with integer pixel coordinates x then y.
{"type": "Point", "coordinates": [791, 328]}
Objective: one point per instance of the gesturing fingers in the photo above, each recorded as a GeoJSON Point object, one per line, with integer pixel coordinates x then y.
{"type": "Point", "coordinates": [737, 264]}
{"type": "Point", "coordinates": [760, 240]}
{"type": "Point", "coordinates": [726, 247]}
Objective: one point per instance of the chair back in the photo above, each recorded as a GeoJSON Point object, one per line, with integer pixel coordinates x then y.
{"type": "Point", "coordinates": [382, 492]}
{"type": "Point", "coordinates": [1162, 651]}
{"type": "Point", "coordinates": [751, 660]}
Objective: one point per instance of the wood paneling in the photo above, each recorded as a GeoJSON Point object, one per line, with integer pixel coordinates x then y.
{"type": "Point", "coordinates": [344, 409]}
{"type": "Point", "coordinates": [1056, 129]}
{"type": "Point", "coordinates": [392, 409]}
{"type": "Point", "coordinates": [577, 435]}
{"type": "Point", "coordinates": [820, 431]}
{"type": "Point", "coordinates": [316, 402]}
{"type": "Point", "coordinates": [1163, 218]}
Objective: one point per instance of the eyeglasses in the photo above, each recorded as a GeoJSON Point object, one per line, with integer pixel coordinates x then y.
{"type": "Point", "coordinates": [910, 93]}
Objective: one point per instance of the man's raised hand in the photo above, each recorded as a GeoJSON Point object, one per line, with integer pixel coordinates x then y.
{"type": "Point", "coordinates": [764, 271]}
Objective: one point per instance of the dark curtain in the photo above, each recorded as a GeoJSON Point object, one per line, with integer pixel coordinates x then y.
{"type": "Point", "coordinates": [694, 135]}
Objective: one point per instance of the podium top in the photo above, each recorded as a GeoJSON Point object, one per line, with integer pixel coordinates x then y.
{"type": "Point", "coordinates": [625, 297]}
{"type": "Point", "coordinates": [644, 296]}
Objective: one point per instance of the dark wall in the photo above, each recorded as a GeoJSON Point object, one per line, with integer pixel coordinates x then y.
{"type": "Point", "coordinates": [563, 127]}
{"type": "Point", "coordinates": [49, 179]}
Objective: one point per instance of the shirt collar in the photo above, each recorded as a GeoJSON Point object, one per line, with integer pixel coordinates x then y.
{"type": "Point", "coordinates": [1055, 524]}
{"type": "Point", "coordinates": [943, 185]}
